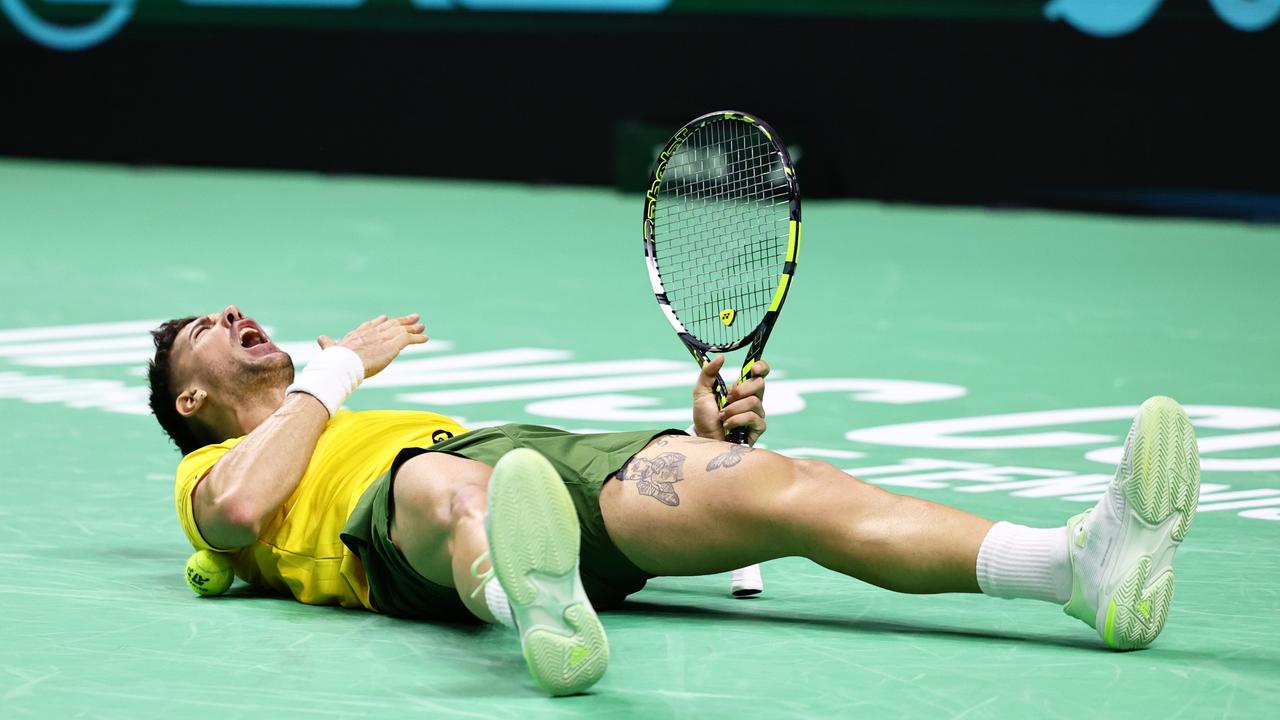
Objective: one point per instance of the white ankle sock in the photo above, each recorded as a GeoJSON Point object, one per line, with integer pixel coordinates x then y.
{"type": "Point", "coordinates": [1016, 561]}
{"type": "Point", "coordinates": [495, 598]}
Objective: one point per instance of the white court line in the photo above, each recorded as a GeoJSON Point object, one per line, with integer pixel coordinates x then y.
{"type": "Point", "coordinates": [131, 342]}
{"type": "Point", "coordinates": [1262, 502]}
{"type": "Point", "coordinates": [1207, 498]}
{"type": "Point", "coordinates": [821, 452]}
{"type": "Point", "coordinates": [301, 352]}
{"type": "Point", "coordinates": [132, 357]}
{"type": "Point", "coordinates": [61, 332]}
{"type": "Point", "coordinates": [418, 376]}
{"type": "Point", "coordinates": [549, 389]}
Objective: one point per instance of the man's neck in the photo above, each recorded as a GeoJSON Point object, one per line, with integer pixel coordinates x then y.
{"type": "Point", "coordinates": [250, 413]}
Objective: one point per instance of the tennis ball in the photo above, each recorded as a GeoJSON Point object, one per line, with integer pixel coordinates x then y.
{"type": "Point", "coordinates": [209, 573]}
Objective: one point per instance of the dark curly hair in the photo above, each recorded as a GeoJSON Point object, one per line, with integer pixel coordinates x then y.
{"type": "Point", "coordinates": [185, 434]}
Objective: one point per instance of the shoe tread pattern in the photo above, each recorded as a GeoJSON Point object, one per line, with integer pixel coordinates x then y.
{"type": "Point", "coordinates": [566, 665]}
{"type": "Point", "coordinates": [527, 539]}
{"type": "Point", "coordinates": [1138, 610]}
{"type": "Point", "coordinates": [1165, 463]}
{"type": "Point", "coordinates": [1164, 466]}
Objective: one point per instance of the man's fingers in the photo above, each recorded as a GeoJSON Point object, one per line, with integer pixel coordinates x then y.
{"type": "Point", "coordinates": [745, 408]}
{"type": "Point", "coordinates": [759, 369]}
{"type": "Point", "coordinates": [412, 334]}
{"type": "Point", "coordinates": [738, 421]}
{"type": "Point", "coordinates": [749, 405]}
{"type": "Point", "coordinates": [749, 420]}
{"type": "Point", "coordinates": [409, 319]}
{"type": "Point", "coordinates": [747, 388]}
{"type": "Point", "coordinates": [754, 384]}
{"type": "Point", "coordinates": [325, 342]}
{"type": "Point", "coordinates": [707, 378]}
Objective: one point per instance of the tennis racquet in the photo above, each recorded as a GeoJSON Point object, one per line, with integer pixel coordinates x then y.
{"type": "Point", "coordinates": [721, 234]}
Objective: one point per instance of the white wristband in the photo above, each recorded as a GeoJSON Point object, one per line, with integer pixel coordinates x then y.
{"type": "Point", "coordinates": [330, 377]}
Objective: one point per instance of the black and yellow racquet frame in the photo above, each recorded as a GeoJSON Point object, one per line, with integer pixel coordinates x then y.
{"type": "Point", "coordinates": [778, 159]}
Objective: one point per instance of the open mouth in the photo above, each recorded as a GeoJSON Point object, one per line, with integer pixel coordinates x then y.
{"type": "Point", "coordinates": [253, 339]}
{"type": "Point", "coordinates": [250, 337]}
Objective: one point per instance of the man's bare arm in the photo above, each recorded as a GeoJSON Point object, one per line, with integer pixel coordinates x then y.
{"type": "Point", "coordinates": [248, 484]}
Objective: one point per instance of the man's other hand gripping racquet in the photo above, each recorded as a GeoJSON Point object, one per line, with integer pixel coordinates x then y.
{"type": "Point", "coordinates": [721, 235]}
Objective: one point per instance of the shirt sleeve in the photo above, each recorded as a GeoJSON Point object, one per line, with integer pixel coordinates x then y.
{"type": "Point", "coordinates": [191, 471]}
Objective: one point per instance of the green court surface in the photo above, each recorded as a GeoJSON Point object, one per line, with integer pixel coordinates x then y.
{"type": "Point", "coordinates": [986, 359]}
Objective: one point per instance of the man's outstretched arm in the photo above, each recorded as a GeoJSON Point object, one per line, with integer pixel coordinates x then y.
{"type": "Point", "coordinates": [248, 484]}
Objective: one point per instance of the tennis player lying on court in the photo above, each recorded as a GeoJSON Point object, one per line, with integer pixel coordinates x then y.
{"type": "Point", "coordinates": [409, 514]}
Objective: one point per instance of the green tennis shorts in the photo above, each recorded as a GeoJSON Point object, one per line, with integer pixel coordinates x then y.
{"type": "Point", "coordinates": [584, 462]}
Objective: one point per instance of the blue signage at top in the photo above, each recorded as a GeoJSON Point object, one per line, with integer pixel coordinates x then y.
{"type": "Point", "coordinates": [1109, 18]}
{"type": "Point", "coordinates": [116, 13]}
{"type": "Point", "coordinates": [63, 37]}
{"type": "Point", "coordinates": [600, 6]}
{"type": "Point", "coordinates": [1103, 18]}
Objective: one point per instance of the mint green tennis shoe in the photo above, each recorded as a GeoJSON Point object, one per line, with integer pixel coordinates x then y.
{"type": "Point", "coordinates": [533, 545]}
{"type": "Point", "coordinates": [1122, 549]}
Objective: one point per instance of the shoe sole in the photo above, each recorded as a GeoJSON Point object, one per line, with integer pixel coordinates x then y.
{"type": "Point", "coordinates": [533, 543]}
{"type": "Point", "coordinates": [1161, 490]}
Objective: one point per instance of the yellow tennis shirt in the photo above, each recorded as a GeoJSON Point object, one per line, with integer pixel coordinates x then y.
{"type": "Point", "coordinates": [299, 551]}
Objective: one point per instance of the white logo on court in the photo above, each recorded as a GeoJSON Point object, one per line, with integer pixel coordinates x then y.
{"type": "Point", "coordinates": [45, 365]}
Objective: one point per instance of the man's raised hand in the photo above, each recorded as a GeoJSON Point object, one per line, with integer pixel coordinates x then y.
{"type": "Point", "coordinates": [745, 406]}
{"type": "Point", "coordinates": [378, 341]}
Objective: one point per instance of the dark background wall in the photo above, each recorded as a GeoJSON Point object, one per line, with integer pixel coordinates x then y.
{"type": "Point", "coordinates": [1007, 108]}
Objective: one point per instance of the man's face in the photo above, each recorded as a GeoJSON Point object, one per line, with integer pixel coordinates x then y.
{"type": "Point", "coordinates": [229, 356]}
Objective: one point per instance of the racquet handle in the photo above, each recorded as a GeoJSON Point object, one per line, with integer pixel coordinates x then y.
{"type": "Point", "coordinates": [747, 582]}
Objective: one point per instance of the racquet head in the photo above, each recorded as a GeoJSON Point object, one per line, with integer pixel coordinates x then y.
{"type": "Point", "coordinates": [721, 230]}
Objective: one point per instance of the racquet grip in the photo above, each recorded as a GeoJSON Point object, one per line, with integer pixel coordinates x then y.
{"type": "Point", "coordinates": [738, 436]}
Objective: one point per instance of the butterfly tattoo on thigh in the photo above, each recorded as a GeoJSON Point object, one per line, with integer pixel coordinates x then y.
{"type": "Point", "coordinates": [656, 477]}
{"type": "Point", "coordinates": [728, 458]}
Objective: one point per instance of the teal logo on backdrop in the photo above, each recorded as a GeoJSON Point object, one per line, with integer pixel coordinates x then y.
{"type": "Point", "coordinates": [1110, 18]}
{"type": "Point", "coordinates": [618, 6]}
{"type": "Point", "coordinates": [116, 13]}
{"type": "Point", "coordinates": [1102, 18]}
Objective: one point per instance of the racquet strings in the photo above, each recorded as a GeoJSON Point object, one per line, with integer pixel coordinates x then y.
{"type": "Point", "coordinates": [721, 224]}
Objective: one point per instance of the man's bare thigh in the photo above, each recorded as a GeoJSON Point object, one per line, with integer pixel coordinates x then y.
{"type": "Point", "coordinates": [690, 506]}
{"type": "Point", "coordinates": [427, 491]}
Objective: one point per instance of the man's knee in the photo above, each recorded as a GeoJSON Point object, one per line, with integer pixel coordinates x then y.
{"type": "Point", "coordinates": [813, 490]}
{"type": "Point", "coordinates": [819, 477]}
{"type": "Point", "coordinates": [778, 493]}
{"type": "Point", "coordinates": [800, 480]}
{"type": "Point", "coordinates": [422, 504]}
{"type": "Point", "coordinates": [434, 491]}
